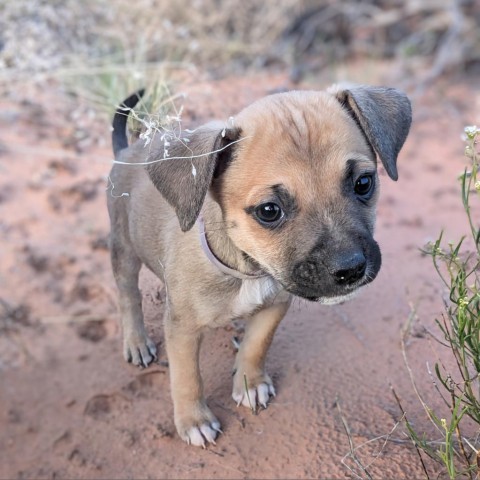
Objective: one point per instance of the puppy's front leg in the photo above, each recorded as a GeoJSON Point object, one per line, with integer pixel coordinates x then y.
{"type": "Point", "coordinates": [194, 421]}
{"type": "Point", "coordinates": [251, 383]}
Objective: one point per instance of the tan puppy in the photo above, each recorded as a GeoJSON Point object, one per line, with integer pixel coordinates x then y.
{"type": "Point", "coordinates": [238, 219]}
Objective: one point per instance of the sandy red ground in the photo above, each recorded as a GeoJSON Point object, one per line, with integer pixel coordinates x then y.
{"type": "Point", "coordinates": [71, 407]}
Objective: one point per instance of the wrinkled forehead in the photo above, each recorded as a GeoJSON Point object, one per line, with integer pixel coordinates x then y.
{"type": "Point", "coordinates": [303, 140]}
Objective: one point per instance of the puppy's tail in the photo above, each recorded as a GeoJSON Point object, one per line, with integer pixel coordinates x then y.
{"type": "Point", "coordinates": [119, 124]}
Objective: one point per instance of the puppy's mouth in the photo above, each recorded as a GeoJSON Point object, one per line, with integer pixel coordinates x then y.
{"type": "Point", "coordinates": [330, 300]}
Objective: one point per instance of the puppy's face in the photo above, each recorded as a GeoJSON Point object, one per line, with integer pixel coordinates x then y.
{"type": "Point", "coordinates": [299, 195]}
{"type": "Point", "coordinates": [296, 181]}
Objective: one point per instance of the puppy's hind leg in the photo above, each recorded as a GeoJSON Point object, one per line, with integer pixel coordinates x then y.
{"type": "Point", "coordinates": [138, 348]}
{"type": "Point", "coordinates": [251, 383]}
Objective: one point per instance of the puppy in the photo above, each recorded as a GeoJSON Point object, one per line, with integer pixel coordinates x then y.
{"type": "Point", "coordinates": [237, 219]}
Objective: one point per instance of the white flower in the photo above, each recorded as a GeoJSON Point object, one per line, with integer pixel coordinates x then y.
{"type": "Point", "coordinates": [471, 131]}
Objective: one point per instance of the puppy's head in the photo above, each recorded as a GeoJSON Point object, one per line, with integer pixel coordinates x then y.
{"type": "Point", "coordinates": [297, 183]}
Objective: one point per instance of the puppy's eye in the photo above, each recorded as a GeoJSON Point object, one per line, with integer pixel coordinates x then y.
{"type": "Point", "coordinates": [268, 212]}
{"type": "Point", "coordinates": [364, 185]}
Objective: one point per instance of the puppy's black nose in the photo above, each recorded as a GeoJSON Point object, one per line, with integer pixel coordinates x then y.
{"type": "Point", "coordinates": [350, 269]}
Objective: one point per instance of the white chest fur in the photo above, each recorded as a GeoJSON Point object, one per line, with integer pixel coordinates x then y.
{"type": "Point", "coordinates": [253, 294]}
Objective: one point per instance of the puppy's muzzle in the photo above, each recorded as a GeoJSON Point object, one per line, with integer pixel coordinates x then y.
{"type": "Point", "coordinates": [335, 272]}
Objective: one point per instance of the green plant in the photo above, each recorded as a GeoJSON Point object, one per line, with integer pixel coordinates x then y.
{"type": "Point", "coordinates": [458, 264]}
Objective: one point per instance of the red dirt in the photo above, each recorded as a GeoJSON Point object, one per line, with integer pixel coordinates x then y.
{"type": "Point", "coordinates": [71, 407]}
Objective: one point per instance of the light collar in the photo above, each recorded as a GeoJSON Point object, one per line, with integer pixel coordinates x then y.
{"type": "Point", "coordinates": [218, 263]}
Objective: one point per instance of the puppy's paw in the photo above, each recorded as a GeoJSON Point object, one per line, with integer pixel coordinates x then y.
{"type": "Point", "coordinates": [139, 349]}
{"type": "Point", "coordinates": [198, 426]}
{"type": "Point", "coordinates": [252, 391]}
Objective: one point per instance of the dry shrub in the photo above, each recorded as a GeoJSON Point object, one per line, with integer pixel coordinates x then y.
{"type": "Point", "coordinates": [230, 35]}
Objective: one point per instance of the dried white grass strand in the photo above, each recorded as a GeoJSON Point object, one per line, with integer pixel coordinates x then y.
{"type": "Point", "coordinates": [119, 162]}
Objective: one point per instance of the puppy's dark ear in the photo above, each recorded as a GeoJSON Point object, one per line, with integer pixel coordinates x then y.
{"type": "Point", "coordinates": [383, 114]}
{"type": "Point", "coordinates": [184, 176]}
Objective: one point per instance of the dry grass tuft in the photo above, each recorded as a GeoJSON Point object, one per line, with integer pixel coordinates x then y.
{"type": "Point", "coordinates": [63, 37]}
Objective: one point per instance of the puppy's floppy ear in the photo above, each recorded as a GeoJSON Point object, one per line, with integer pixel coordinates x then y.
{"type": "Point", "coordinates": [185, 175]}
{"type": "Point", "coordinates": [383, 114]}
